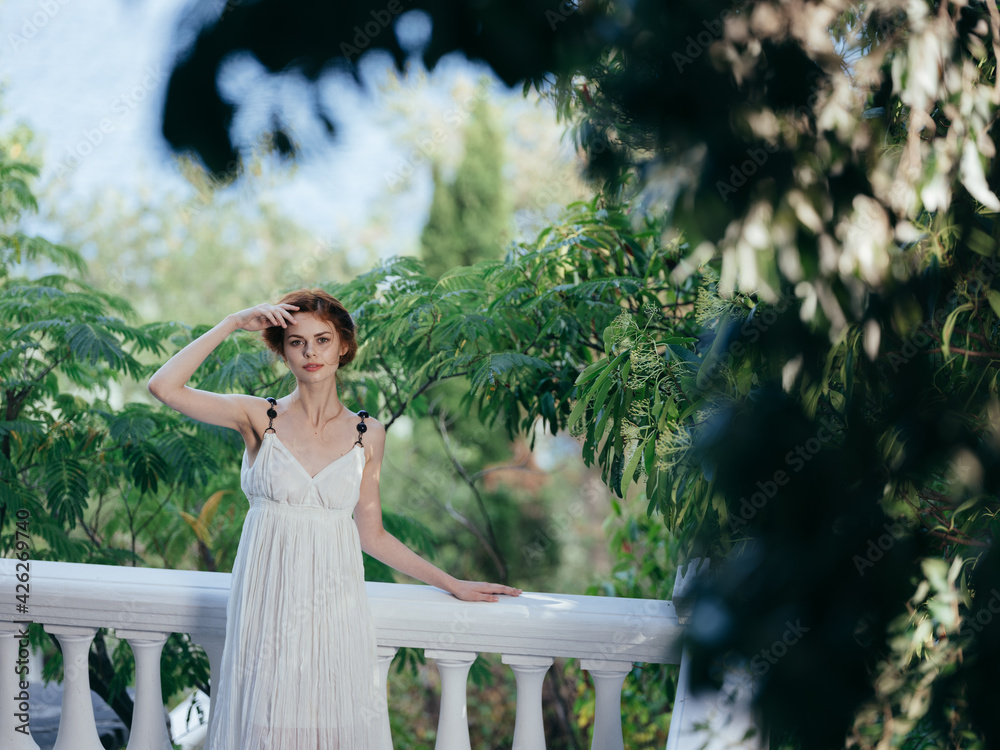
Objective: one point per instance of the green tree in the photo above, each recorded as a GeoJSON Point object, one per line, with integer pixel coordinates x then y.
{"type": "Point", "coordinates": [850, 199]}
{"type": "Point", "coordinates": [467, 223]}
{"type": "Point", "coordinates": [75, 475]}
{"type": "Point", "coordinates": [469, 217]}
{"type": "Point", "coordinates": [194, 257]}
{"type": "Point", "coordinates": [516, 335]}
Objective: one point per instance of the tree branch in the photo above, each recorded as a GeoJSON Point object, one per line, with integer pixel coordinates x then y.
{"type": "Point", "coordinates": [492, 547]}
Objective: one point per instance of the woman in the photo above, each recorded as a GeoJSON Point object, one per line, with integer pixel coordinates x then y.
{"type": "Point", "coordinates": [299, 666]}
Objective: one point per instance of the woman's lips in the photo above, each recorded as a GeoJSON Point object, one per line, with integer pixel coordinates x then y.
{"type": "Point", "coordinates": [312, 368]}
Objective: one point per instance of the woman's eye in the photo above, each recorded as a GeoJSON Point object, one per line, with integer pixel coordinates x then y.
{"type": "Point", "coordinates": [323, 340]}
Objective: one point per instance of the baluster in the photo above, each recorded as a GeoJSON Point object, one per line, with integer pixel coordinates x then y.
{"type": "Point", "coordinates": [149, 722]}
{"type": "Point", "coordinates": [77, 728]}
{"type": "Point", "coordinates": [453, 721]}
{"type": "Point", "coordinates": [609, 676]}
{"type": "Point", "coordinates": [11, 715]}
{"type": "Point", "coordinates": [385, 657]}
{"type": "Point", "coordinates": [529, 673]}
{"type": "Point", "coordinates": [213, 645]}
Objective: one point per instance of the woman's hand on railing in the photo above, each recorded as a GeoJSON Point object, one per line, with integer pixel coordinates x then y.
{"type": "Point", "coordinates": [479, 591]}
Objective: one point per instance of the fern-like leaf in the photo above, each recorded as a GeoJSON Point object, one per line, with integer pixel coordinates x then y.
{"type": "Point", "coordinates": [66, 489]}
{"type": "Point", "coordinates": [497, 365]}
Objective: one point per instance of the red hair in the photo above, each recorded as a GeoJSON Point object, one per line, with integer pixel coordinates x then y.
{"type": "Point", "coordinates": [324, 306]}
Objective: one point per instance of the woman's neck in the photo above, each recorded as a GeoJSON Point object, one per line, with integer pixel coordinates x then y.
{"type": "Point", "coordinates": [317, 402]}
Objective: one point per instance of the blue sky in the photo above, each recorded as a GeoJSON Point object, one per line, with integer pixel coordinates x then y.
{"type": "Point", "coordinates": [88, 77]}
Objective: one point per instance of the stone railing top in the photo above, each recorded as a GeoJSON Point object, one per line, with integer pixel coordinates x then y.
{"type": "Point", "coordinates": [184, 601]}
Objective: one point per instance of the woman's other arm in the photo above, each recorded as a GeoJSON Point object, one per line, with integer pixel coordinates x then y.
{"type": "Point", "coordinates": [169, 383]}
{"type": "Point", "coordinates": [382, 545]}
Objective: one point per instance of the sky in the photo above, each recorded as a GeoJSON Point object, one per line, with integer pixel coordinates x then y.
{"type": "Point", "coordinates": [88, 78]}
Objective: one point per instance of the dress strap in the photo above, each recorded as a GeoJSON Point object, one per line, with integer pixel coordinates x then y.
{"type": "Point", "coordinates": [362, 428]}
{"type": "Point", "coordinates": [271, 414]}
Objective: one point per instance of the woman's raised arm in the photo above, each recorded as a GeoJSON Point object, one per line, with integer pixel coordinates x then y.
{"type": "Point", "coordinates": [169, 383]}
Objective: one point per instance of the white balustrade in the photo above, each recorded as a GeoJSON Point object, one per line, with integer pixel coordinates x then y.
{"type": "Point", "coordinates": [453, 717]}
{"type": "Point", "coordinates": [609, 676]}
{"type": "Point", "coordinates": [715, 720]}
{"type": "Point", "coordinates": [143, 605]}
{"type": "Point", "coordinates": [385, 656]}
{"type": "Point", "coordinates": [213, 644]}
{"type": "Point", "coordinates": [77, 728]}
{"type": "Point", "coordinates": [149, 725]}
{"type": "Point", "coordinates": [529, 674]}
{"type": "Point", "coordinates": [16, 734]}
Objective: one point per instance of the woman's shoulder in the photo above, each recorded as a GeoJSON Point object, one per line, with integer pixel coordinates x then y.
{"type": "Point", "coordinates": [373, 431]}
{"type": "Point", "coordinates": [256, 408]}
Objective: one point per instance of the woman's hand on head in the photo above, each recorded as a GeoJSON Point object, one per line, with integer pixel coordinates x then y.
{"type": "Point", "coordinates": [263, 316]}
{"type": "Point", "coordinates": [478, 591]}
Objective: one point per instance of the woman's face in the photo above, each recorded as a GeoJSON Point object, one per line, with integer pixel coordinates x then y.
{"type": "Point", "coordinates": [312, 347]}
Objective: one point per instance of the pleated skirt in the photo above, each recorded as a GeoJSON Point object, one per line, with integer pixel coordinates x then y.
{"type": "Point", "coordinates": [299, 667]}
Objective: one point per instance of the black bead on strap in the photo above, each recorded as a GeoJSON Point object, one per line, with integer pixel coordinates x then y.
{"type": "Point", "coordinates": [362, 428]}
{"type": "Point", "coordinates": [271, 414]}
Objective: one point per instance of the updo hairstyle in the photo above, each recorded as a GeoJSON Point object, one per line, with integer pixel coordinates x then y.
{"type": "Point", "coordinates": [324, 306]}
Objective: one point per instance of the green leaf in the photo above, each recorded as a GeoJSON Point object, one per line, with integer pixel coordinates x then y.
{"type": "Point", "coordinates": [192, 460]}
{"type": "Point", "coordinates": [630, 467]}
{"type": "Point", "coordinates": [949, 327]}
{"type": "Point", "coordinates": [130, 427]}
{"type": "Point", "coordinates": [649, 456]}
{"type": "Point", "coordinates": [25, 426]}
{"type": "Point", "coordinates": [578, 409]}
{"type": "Point", "coordinates": [92, 344]}
{"type": "Point", "coordinates": [496, 365]}
{"type": "Point", "coordinates": [592, 371]}
{"type": "Point", "coordinates": [66, 489]}
{"type": "Point", "coordinates": [614, 479]}
{"type": "Point", "coordinates": [147, 466]}
{"type": "Point", "coordinates": [993, 296]}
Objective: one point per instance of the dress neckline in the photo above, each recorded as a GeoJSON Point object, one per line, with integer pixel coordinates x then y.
{"type": "Point", "coordinates": [298, 463]}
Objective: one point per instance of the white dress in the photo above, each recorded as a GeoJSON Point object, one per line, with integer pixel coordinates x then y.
{"type": "Point", "coordinates": [299, 667]}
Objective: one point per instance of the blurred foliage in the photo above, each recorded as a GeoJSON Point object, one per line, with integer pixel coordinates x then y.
{"type": "Point", "coordinates": [811, 397]}
{"type": "Point", "coordinates": [149, 248]}
{"type": "Point", "coordinates": [468, 215]}
{"type": "Point", "coordinates": [540, 173]}
{"type": "Point", "coordinates": [780, 319]}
